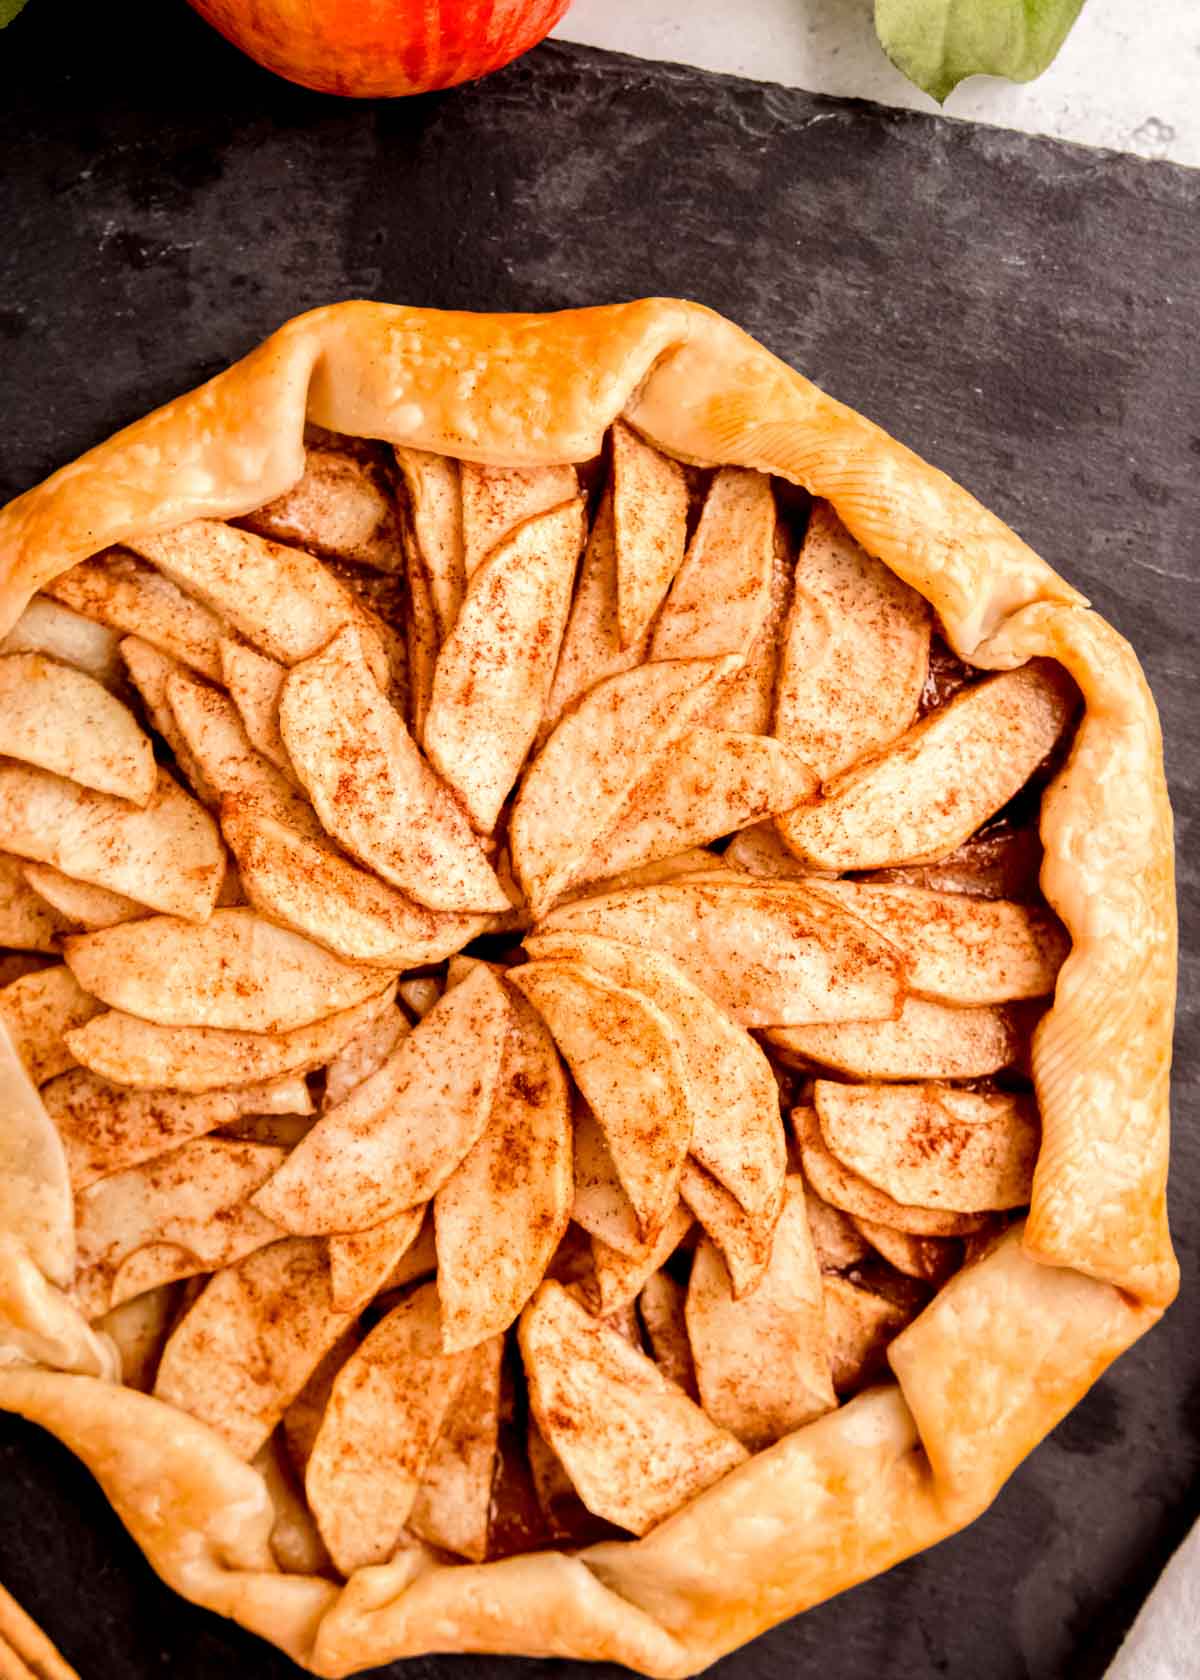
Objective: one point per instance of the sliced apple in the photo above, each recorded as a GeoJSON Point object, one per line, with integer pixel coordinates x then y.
{"type": "Point", "coordinates": [364, 1054]}
{"type": "Point", "coordinates": [746, 700]}
{"type": "Point", "coordinates": [255, 684]}
{"type": "Point", "coordinates": [168, 855]}
{"type": "Point", "coordinates": [139, 1054]}
{"type": "Point", "coordinates": [282, 1130]}
{"type": "Point", "coordinates": [925, 1041]}
{"type": "Point", "coordinates": [839, 1240]}
{"type": "Point", "coordinates": [296, 1543]}
{"type": "Point", "coordinates": [650, 509]}
{"type": "Point", "coordinates": [237, 972]}
{"type": "Point", "coordinates": [855, 652]}
{"type": "Point", "coordinates": [183, 1213]}
{"type": "Point", "coordinates": [362, 1263]}
{"type": "Point", "coordinates": [282, 600]}
{"type": "Point", "coordinates": [65, 721]}
{"type": "Point", "coordinates": [940, 781]}
{"type": "Point", "coordinates": [624, 1057]}
{"type": "Point", "coordinates": [452, 1507]}
{"type": "Point", "coordinates": [631, 1441]}
{"type": "Point", "coordinates": [316, 892]}
{"type": "Point", "coordinates": [836, 1183]}
{"type": "Point", "coordinates": [591, 763]}
{"type": "Point", "coordinates": [38, 1009]}
{"type": "Point", "coordinates": [247, 1346]}
{"type": "Point", "coordinates": [758, 850]}
{"type": "Point", "coordinates": [387, 1407]}
{"type": "Point", "coordinates": [495, 500]}
{"type": "Point", "coordinates": [695, 861]}
{"type": "Point", "coordinates": [339, 507]}
{"type": "Point", "coordinates": [495, 669]}
{"type": "Point", "coordinates": [436, 516]}
{"type": "Point", "coordinates": [372, 789]}
{"type": "Point", "coordinates": [302, 1419]}
{"type": "Point", "coordinates": [28, 921]}
{"type": "Point", "coordinates": [931, 1145]}
{"type": "Point", "coordinates": [422, 636]}
{"type": "Point", "coordinates": [961, 950]}
{"type": "Point", "coordinates": [745, 1242]}
{"type": "Point", "coordinates": [721, 595]}
{"type": "Point", "coordinates": [768, 957]}
{"type": "Point", "coordinates": [48, 627]}
{"type": "Point", "coordinates": [87, 906]}
{"type": "Point", "coordinates": [139, 1327]}
{"type": "Point", "coordinates": [417, 1261]}
{"type": "Point", "coordinates": [149, 670]}
{"type": "Point", "coordinates": [858, 1326]}
{"type": "Point", "coordinates": [619, 1277]}
{"type": "Point", "coordinates": [663, 1308]}
{"type": "Point", "coordinates": [488, 1267]}
{"type": "Point", "coordinates": [929, 1259]}
{"type": "Point", "coordinates": [601, 1206]}
{"type": "Point", "coordinates": [108, 1128]}
{"type": "Point", "coordinates": [761, 1364]}
{"type": "Point", "coordinates": [419, 996]}
{"type": "Point", "coordinates": [121, 592]}
{"type": "Point", "coordinates": [400, 1134]}
{"type": "Point", "coordinates": [736, 1128]}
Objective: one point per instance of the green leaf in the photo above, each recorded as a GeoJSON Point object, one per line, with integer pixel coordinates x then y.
{"type": "Point", "coordinates": [9, 10]}
{"type": "Point", "coordinates": [938, 43]}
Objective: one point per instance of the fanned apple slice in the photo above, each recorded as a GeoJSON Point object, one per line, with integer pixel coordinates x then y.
{"type": "Point", "coordinates": [591, 763]}
{"type": "Point", "coordinates": [28, 921]}
{"type": "Point", "coordinates": [150, 669]}
{"type": "Point", "coordinates": [121, 592]}
{"type": "Point", "coordinates": [695, 861]}
{"type": "Point", "coordinates": [855, 652]}
{"type": "Point", "coordinates": [712, 783]}
{"type": "Point", "coordinates": [137, 1053]}
{"type": "Point", "coordinates": [736, 1131]}
{"type": "Point", "coordinates": [65, 721]}
{"type": "Point", "coordinates": [312, 890]}
{"type": "Point", "coordinates": [302, 1419]}
{"type": "Point", "coordinates": [38, 1009]}
{"type": "Point", "coordinates": [746, 700]}
{"type": "Point", "coordinates": [932, 1146]}
{"type": "Point", "coordinates": [168, 854]}
{"type": "Point", "coordinates": [761, 1364]}
{"type": "Point", "coordinates": [362, 1263]}
{"type": "Point", "coordinates": [925, 1041]}
{"type": "Point", "coordinates": [838, 1239]}
{"type": "Point", "coordinates": [591, 646]}
{"type": "Point", "coordinates": [364, 1054]}
{"type": "Point", "coordinates": [237, 972]}
{"type": "Point", "coordinates": [489, 1266]}
{"type": "Point", "coordinates": [108, 1128]}
{"type": "Point", "coordinates": [397, 1137]}
{"type": "Point", "coordinates": [183, 1213]}
{"type": "Point", "coordinates": [623, 1056]}
{"type": "Point", "coordinates": [858, 1326]}
{"type": "Point", "coordinates": [244, 1350]}
{"type": "Point", "coordinates": [255, 684]}
{"type": "Point", "coordinates": [418, 1261]}
{"type": "Point", "coordinates": [48, 627]}
{"type": "Point", "coordinates": [836, 1183]}
{"type": "Point", "coordinates": [632, 1442]}
{"type": "Point", "coordinates": [495, 500]}
{"type": "Point", "coordinates": [961, 950]}
{"type": "Point", "coordinates": [744, 1242]}
{"type": "Point", "coordinates": [453, 1503]}
{"type": "Point", "coordinates": [387, 1407]}
{"type": "Point", "coordinates": [339, 508]}
{"type": "Point", "coordinates": [929, 1259]}
{"type": "Point", "coordinates": [620, 1277]}
{"type": "Point", "coordinates": [942, 780]}
{"type": "Point", "coordinates": [495, 668]}
{"type": "Point", "coordinates": [600, 1207]}
{"type": "Point", "coordinates": [721, 595]}
{"type": "Point", "coordinates": [372, 789]}
{"type": "Point", "coordinates": [281, 599]}
{"type": "Point", "coordinates": [650, 508]}
{"type": "Point", "coordinates": [422, 636]}
{"type": "Point", "coordinates": [663, 1308]}
{"type": "Point", "coordinates": [231, 768]}
{"type": "Point", "coordinates": [87, 906]}
{"type": "Point", "coordinates": [768, 957]}
{"type": "Point", "coordinates": [436, 516]}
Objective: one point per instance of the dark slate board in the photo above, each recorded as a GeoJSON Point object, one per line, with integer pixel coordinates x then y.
{"type": "Point", "coordinates": [1024, 313]}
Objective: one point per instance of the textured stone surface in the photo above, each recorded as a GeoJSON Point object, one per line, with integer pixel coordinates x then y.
{"type": "Point", "coordinates": [1022, 312]}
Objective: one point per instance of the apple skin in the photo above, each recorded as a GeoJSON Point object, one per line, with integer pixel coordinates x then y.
{"type": "Point", "coordinates": [370, 49]}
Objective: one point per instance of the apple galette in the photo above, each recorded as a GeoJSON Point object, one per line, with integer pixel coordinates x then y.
{"type": "Point", "coordinates": [588, 988]}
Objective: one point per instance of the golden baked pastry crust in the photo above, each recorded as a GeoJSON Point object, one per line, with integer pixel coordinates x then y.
{"type": "Point", "coordinates": [1002, 1352]}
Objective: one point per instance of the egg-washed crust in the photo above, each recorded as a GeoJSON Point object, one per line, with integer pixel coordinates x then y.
{"type": "Point", "coordinates": [1002, 1352]}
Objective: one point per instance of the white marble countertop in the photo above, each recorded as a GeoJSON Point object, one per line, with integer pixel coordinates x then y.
{"type": "Point", "coordinates": [1128, 76]}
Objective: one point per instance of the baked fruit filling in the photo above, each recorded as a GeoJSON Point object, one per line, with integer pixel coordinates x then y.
{"type": "Point", "coordinates": [533, 971]}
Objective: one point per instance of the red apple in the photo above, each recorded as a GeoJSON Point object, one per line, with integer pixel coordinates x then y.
{"type": "Point", "coordinates": [372, 48]}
